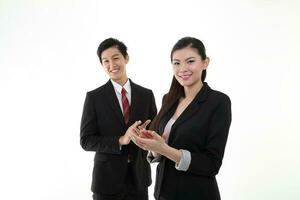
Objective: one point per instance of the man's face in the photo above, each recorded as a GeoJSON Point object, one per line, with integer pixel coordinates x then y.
{"type": "Point", "coordinates": [114, 64]}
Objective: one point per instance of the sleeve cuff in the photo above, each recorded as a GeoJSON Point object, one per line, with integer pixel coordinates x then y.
{"type": "Point", "coordinates": [185, 161]}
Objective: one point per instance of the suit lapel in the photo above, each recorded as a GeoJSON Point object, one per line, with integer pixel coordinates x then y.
{"type": "Point", "coordinates": [113, 102]}
{"type": "Point", "coordinates": [167, 117]}
{"type": "Point", "coordinates": [134, 106]}
{"type": "Point", "coordinates": [192, 108]}
{"type": "Point", "coordinates": [134, 102]}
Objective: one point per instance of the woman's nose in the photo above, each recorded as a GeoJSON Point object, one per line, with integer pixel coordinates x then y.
{"type": "Point", "coordinates": [182, 68]}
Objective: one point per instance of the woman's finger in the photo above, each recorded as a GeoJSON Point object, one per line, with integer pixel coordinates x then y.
{"type": "Point", "coordinates": [137, 141]}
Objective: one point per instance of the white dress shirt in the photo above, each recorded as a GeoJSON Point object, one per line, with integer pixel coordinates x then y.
{"type": "Point", "coordinates": [118, 89]}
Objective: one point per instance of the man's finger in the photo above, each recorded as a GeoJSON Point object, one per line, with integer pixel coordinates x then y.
{"type": "Point", "coordinates": [136, 123]}
{"type": "Point", "coordinates": [145, 124]}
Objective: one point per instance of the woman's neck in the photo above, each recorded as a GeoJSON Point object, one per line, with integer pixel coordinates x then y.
{"type": "Point", "coordinates": [192, 90]}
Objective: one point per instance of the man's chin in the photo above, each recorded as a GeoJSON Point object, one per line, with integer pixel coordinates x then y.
{"type": "Point", "coordinates": [115, 77]}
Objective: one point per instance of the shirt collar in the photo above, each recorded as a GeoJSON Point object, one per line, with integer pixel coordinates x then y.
{"type": "Point", "coordinates": [118, 87]}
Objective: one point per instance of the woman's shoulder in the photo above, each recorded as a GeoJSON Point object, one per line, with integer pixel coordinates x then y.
{"type": "Point", "coordinates": [219, 97]}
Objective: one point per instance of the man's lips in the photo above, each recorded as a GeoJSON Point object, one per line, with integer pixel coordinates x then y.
{"type": "Point", "coordinates": [114, 70]}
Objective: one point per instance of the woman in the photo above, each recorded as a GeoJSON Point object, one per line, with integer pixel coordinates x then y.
{"type": "Point", "coordinates": [190, 131]}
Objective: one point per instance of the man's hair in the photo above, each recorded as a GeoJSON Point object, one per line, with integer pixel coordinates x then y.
{"type": "Point", "coordinates": [111, 42]}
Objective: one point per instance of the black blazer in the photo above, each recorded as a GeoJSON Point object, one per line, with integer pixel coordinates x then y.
{"type": "Point", "coordinates": [102, 124]}
{"type": "Point", "coordinates": [201, 129]}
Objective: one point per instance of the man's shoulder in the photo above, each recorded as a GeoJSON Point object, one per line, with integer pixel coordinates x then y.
{"type": "Point", "coordinates": [98, 90]}
{"type": "Point", "coordinates": [140, 88]}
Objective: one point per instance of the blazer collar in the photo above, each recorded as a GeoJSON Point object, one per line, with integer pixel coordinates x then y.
{"type": "Point", "coordinates": [192, 108]}
{"type": "Point", "coordinates": [203, 93]}
{"type": "Point", "coordinates": [114, 104]}
{"type": "Point", "coordinates": [118, 87]}
{"type": "Point", "coordinates": [112, 101]}
{"type": "Point", "coordinates": [135, 94]}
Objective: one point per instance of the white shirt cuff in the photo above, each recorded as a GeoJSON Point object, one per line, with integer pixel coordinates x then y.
{"type": "Point", "coordinates": [185, 161]}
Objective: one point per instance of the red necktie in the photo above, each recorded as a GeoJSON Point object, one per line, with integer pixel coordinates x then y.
{"type": "Point", "coordinates": [125, 105]}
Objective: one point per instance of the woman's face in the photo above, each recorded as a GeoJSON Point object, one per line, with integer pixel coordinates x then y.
{"type": "Point", "coordinates": [188, 66]}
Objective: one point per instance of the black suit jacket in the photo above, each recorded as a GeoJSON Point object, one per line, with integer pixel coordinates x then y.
{"type": "Point", "coordinates": [102, 124]}
{"type": "Point", "coordinates": [201, 129]}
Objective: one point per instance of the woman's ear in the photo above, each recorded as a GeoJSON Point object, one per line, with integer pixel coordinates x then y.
{"type": "Point", "coordinates": [206, 63]}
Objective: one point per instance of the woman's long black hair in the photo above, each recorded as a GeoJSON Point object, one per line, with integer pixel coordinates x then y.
{"type": "Point", "coordinates": [176, 90]}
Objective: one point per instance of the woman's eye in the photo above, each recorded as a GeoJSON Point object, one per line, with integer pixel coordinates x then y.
{"type": "Point", "coordinates": [116, 58]}
{"type": "Point", "coordinates": [176, 63]}
{"type": "Point", "coordinates": [190, 61]}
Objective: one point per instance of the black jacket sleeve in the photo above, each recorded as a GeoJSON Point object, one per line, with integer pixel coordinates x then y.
{"type": "Point", "coordinates": [208, 161]}
{"type": "Point", "coordinates": [90, 137]}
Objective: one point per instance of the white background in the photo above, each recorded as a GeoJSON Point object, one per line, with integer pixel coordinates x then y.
{"type": "Point", "coordinates": [48, 62]}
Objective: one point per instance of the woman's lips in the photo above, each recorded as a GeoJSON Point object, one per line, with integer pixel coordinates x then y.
{"type": "Point", "coordinates": [185, 76]}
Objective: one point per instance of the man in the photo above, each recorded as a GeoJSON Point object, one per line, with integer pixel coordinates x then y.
{"type": "Point", "coordinates": [111, 114]}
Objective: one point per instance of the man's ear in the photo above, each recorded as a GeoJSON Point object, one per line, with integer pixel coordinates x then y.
{"type": "Point", "coordinates": [127, 59]}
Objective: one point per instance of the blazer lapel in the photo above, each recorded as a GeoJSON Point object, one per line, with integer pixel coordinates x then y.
{"type": "Point", "coordinates": [134, 103]}
{"type": "Point", "coordinates": [192, 108]}
{"type": "Point", "coordinates": [167, 117]}
{"type": "Point", "coordinates": [113, 102]}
